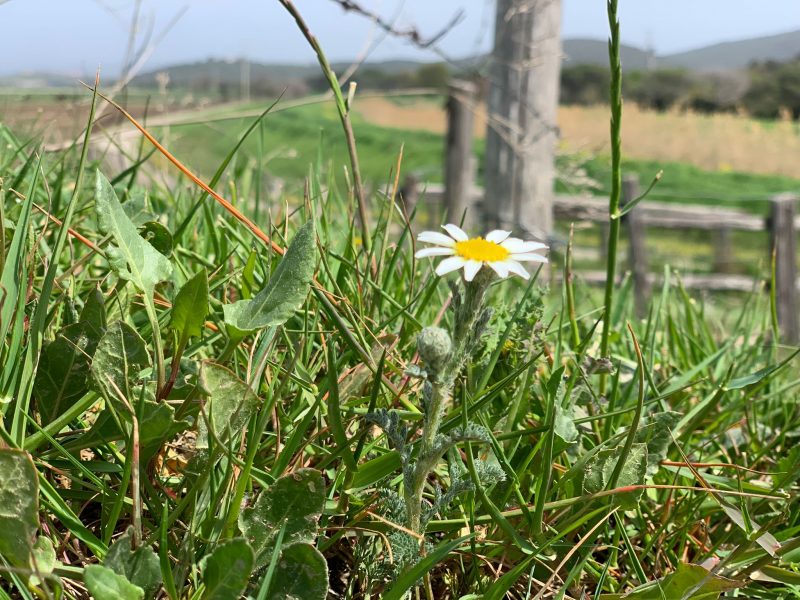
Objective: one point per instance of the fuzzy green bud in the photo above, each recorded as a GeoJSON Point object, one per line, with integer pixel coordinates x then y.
{"type": "Point", "coordinates": [434, 346]}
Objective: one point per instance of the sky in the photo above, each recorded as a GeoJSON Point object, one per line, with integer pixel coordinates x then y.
{"type": "Point", "coordinates": [76, 36]}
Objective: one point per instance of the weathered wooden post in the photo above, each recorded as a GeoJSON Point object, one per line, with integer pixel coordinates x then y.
{"type": "Point", "coordinates": [637, 251]}
{"type": "Point", "coordinates": [409, 193]}
{"type": "Point", "coordinates": [784, 245]}
{"type": "Point", "coordinates": [723, 250]}
{"type": "Point", "coordinates": [458, 171]}
{"type": "Point", "coordinates": [519, 167]}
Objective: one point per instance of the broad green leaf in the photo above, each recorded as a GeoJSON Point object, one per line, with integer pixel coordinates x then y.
{"type": "Point", "coordinates": [301, 574]}
{"type": "Point", "coordinates": [63, 373]}
{"type": "Point", "coordinates": [118, 360]}
{"type": "Point", "coordinates": [226, 571]}
{"type": "Point", "coordinates": [105, 584]}
{"type": "Point", "coordinates": [656, 433]}
{"type": "Point", "coordinates": [688, 582]}
{"type": "Point", "coordinates": [600, 469]}
{"type": "Point", "coordinates": [230, 404]}
{"type": "Point", "coordinates": [294, 501]}
{"type": "Point", "coordinates": [139, 566]}
{"type": "Point", "coordinates": [43, 559]}
{"type": "Point", "coordinates": [19, 496]}
{"type": "Point", "coordinates": [190, 307]}
{"type": "Point", "coordinates": [285, 291]}
{"type": "Point", "coordinates": [133, 258]}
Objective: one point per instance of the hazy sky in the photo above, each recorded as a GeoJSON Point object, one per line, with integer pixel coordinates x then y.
{"type": "Point", "coordinates": [75, 36]}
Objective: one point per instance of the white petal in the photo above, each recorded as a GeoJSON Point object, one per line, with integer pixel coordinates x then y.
{"type": "Point", "coordinates": [517, 269]}
{"type": "Point", "coordinates": [516, 245]}
{"type": "Point", "coordinates": [434, 252]}
{"type": "Point", "coordinates": [534, 246]}
{"type": "Point", "coordinates": [450, 264]}
{"type": "Point", "coordinates": [497, 236]}
{"type": "Point", "coordinates": [434, 237]}
{"type": "Point", "coordinates": [529, 256]}
{"type": "Point", "coordinates": [456, 232]}
{"type": "Point", "coordinates": [471, 269]}
{"type": "Point", "coordinates": [499, 267]}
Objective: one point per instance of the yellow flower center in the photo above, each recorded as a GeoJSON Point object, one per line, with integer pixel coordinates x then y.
{"type": "Point", "coordinates": [482, 250]}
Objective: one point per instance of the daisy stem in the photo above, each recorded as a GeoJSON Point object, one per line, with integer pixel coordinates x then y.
{"type": "Point", "coordinates": [439, 394]}
{"type": "Point", "coordinates": [615, 96]}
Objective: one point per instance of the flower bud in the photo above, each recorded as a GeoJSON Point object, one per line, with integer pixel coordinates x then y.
{"type": "Point", "coordinates": [434, 346]}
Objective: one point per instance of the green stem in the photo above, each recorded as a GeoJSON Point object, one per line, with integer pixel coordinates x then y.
{"type": "Point", "coordinates": [615, 96]}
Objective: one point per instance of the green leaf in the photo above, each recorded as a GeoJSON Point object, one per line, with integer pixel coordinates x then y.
{"type": "Point", "coordinates": [190, 308]}
{"type": "Point", "coordinates": [230, 404]}
{"type": "Point", "coordinates": [105, 584]}
{"type": "Point", "coordinates": [285, 291]}
{"type": "Point", "coordinates": [19, 495]}
{"type": "Point", "coordinates": [301, 574]}
{"type": "Point", "coordinates": [133, 258]}
{"type": "Point", "coordinates": [376, 469]}
{"type": "Point", "coordinates": [43, 559]}
{"type": "Point", "coordinates": [118, 360]}
{"type": "Point", "coordinates": [656, 433]}
{"type": "Point", "coordinates": [600, 468]}
{"type": "Point", "coordinates": [294, 501]}
{"type": "Point", "coordinates": [158, 236]}
{"type": "Point", "coordinates": [688, 582]}
{"type": "Point", "coordinates": [563, 426]}
{"type": "Point", "coordinates": [63, 373]}
{"type": "Point", "coordinates": [226, 571]}
{"type": "Point", "coordinates": [139, 566]}
{"type": "Point", "coordinates": [157, 425]}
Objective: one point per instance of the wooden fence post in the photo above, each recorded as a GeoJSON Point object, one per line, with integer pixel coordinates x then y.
{"type": "Point", "coordinates": [637, 251]}
{"type": "Point", "coordinates": [723, 250]}
{"type": "Point", "coordinates": [783, 244]}
{"type": "Point", "coordinates": [458, 170]}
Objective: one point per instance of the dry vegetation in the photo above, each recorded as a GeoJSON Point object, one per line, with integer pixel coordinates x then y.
{"type": "Point", "coordinates": [723, 142]}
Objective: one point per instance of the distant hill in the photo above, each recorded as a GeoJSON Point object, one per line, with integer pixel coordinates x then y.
{"type": "Point", "coordinates": [595, 52]}
{"type": "Point", "coordinates": [737, 55]}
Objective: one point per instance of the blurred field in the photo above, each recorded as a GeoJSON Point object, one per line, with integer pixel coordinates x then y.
{"type": "Point", "coordinates": [722, 142]}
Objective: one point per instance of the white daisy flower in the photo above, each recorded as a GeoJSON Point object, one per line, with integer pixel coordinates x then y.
{"type": "Point", "coordinates": [502, 253]}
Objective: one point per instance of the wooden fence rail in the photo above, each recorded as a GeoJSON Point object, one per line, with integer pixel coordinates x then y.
{"type": "Point", "coordinates": [782, 225]}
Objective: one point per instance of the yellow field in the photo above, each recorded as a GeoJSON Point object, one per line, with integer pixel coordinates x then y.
{"type": "Point", "coordinates": [715, 142]}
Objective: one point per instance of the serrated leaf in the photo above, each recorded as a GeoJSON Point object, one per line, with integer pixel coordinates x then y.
{"type": "Point", "coordinates": [190, 308]}
{"type": "Point", "coordinates": [226, 571]}
{"type": "Point", "coordinates": [600, 469]}
{"type": "Point", "coordinates": [105, 584]}
{"type": "Point", "coordinates": [285, 291]}
{"type": "Point", "coordinates": [295, 502]}
{"type": "Point", "coordinates": [118, 360]}
{"type": "Point", "coordinates": [133, 258]}
{"type": "Point", "coordinates": [19, 495]}
{"type": "Point", "coordinates": [140, 566]}
{"type": "Point", "coordinates": [301, 574]}
{"type": "Point", "coordinates": [230, 404]}
{"type": "Point", "coordinates": [62, 376]}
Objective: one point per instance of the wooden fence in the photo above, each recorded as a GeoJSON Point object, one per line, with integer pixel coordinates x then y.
{"type": "Point", "coordinates": [781, 224]}
{"type": "Point", "coordinates": [459, 194]}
